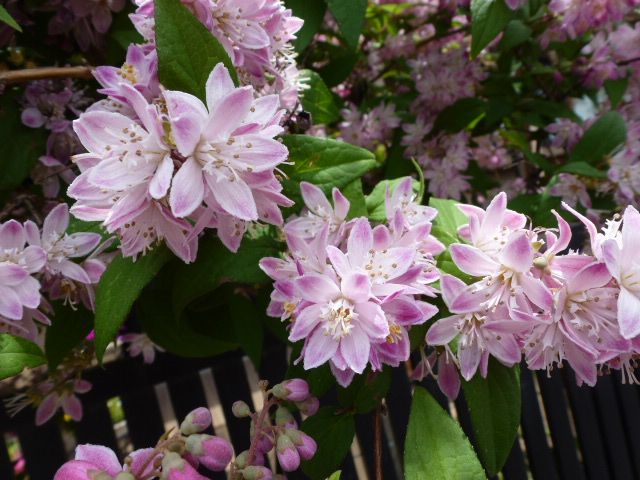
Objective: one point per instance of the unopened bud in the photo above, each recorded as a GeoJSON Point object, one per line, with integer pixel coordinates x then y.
{"type": "Point", "coordinates": [295, 390]}
{"type": "Point", "coordinates": [309, 407]}
{"type": "Point", "coordinates": [288, 456]}
{"type": "Point", "coordinates": [305, 445]}
{"type": "Point", "coordinates": [215, 453]}
{"type": "Point", "coordinates": [174, 467]}
{"type": "Point", "coordinates": [284, 417]}
{"type": "Point", "coordinates": [540, 262]}
{"type": "Point", "coordinates": [196, 421]}
{"type": "Point", "coordinates": [240, 409]}
{"type": "Point", "coordinates": [125, 476]}
{"type": "Point", "coordinates": [257, 473]}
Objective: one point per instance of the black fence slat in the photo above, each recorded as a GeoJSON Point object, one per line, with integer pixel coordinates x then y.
{"type": "Point", "coordinates": [540, 457]}
{"type": "Point", "coordinates": [144, 420]}
{"type": "Point", "coordinates": [589, 434]}
{"type": "Point", "coordinates": [398, 405]}
{"type": "Point", "coordinates": [515, 468]}
{"type": "Point", "coordinates": [187, 394]}
{"type": "Point", "coordinates": [557, 410]}
{"type": "Point", "coordinates": [612, 428]}
{"type": "Point", "coordinates": [365, 432]}
{"type": "Point", "coordinates": [630, 409]}
{"type": "Point", "coordinates": [96, 426]}
{"type": "Point", "coordinates": [6, 467]}
{"type": "Point", "coordinates": [42, 447]}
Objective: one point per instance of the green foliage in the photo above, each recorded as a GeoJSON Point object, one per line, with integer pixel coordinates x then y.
{"type": "Point", "coordinates": [16, 354]}
{"type": "Point", "coordinates": [217, 265]}
{"type": "Point", "coordinates": [375, 201]}
{"type": "Point", "coordinates": [350, 17]}
{"type": "Point", "coordinates": [68, 328]}
{"type": "Point", "coordinates": [582, 168]}
{"type": "Point", "coordinates": [318, 99]}
{"type": "Point", "coordinates": [119, 287]}
{"type": "Point", "coordinates": [187, 51]}
{"type": "Point", "coordinates": [516, 33]}
{"type": "Point", "coordinates": [323, 162]}
{"type": "Point", "coordinates": [460, 115]}
{"type": "Point", "coordinates": [494, 406]}
{"type": "Point", "coordinates": [353, 193]}
{"type": "Point", "coordinates": [615, 90]}
{"type": "Point", "coordinates": [312, 12]}
{"type": "Point", "coordinates": [366, 391]}
{"type": "Point", "coordinates": [333, 432]}
{"type": "Point", "coordinates": [436, 444]}
{"type": "Point", "coordinates": [488, 19]}
{"type": "Point", "coordinates": [6, 17]}
{"type": "Point", "coordinates": [248, 324]}
{"type": "Point", "coordinates": [449, 219]}
{"type": "Point", "coordinates": [603, 137]}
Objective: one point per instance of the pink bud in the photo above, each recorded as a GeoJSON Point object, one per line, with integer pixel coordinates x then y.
{"type": "Point", "coordinates": [257, 473]}
{"type": "Point", "coordinates": [174, 467]}
{"type": "Point", "coordinates": [215, 453]}
{"type": "Point", "coordinates": [295, 390]}
{"type": "Point", "coordinates": [309, 407]}
{"type": "Point", "coordinates": [305, 445]}
{"type": "Point", "coordinates": [240, 409]}
{"type": "Point", "coordinates": [288, 456]}
{"type": "Point", "coordinates": [196, 421]}
{"type": "Point", "coordinates": [284, 418]}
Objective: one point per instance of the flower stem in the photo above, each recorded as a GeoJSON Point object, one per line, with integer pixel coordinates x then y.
{"type": "Point", "coordinates": [29, 74]}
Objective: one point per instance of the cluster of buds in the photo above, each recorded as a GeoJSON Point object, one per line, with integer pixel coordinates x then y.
{"type": "Point", "coordinates": [177, 456]}
{"type": "Point", "coordinates": [275, 426]}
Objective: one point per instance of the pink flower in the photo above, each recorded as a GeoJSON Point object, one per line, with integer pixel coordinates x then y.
{"type": "Point", "coordinates": [91, 460]}
{"type": "Point", "coordinates": [63, 397]}
{"type": "Point", "coordinates": [404, 200]}
{"type": "Point", "coordinates": [572, 190]}
{"type": "Point", "coordinates": [141, 344]}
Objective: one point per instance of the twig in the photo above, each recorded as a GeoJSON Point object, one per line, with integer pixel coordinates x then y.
{"type": "Point", "coordinates": [28, 74]}
{"type": "Point", "coordinates": [378, 443]}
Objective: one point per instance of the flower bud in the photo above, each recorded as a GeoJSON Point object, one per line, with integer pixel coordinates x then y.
{"type": "Point", "coordinates": [257, 473]}
{"type": "Point", "coordinates": [305, 445]}
{"type": "Point", "coordinates": [242, 460]}
{"type": "Point", "coordinates": [284, 417]}
{"type": "Point", "coordinates": [309, 407]}
{"type": "Point", "coordinates": [295, 390]}
{"type": "Point", "coordinates": [125, 476]}
{"type": "Point", "coordinates": [196, 421]}
{"type": "Point", "coordinates": [215, 453]}
{"type": "Point", "coordinates": [174, 467]}
{"type": "Point", "coordinates": [240, 409]}
{"type": "Point", "coordinates": [288, 456]}
{"type": "Point", "coordinates": [99, 476]}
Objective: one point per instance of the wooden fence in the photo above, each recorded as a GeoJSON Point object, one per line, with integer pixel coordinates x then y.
{"type": "Point", "coordinates": [567, 432]}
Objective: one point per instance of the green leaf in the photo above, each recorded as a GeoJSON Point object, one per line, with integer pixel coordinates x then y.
{"type": "Point", "coordinates": [339, 68]}
{"type": "Point", "coordinates": [318, 99]}
{"type": "Point", "coordinates": [436, 444]}
{"type": "Point", "coordinates": [494, 406]}
{"type": "Point", "coordinates": [376, 199]}
{"type": "Point", "coordinates": [16, 354]}
{"type": "Point", "coordinates": [460, 115]}
{"type": "Point", "coordinates": [248, 326]}
{"type": "Point", "coordinates": [119, 287]}
{"type": "Point", "coordinates": [353, 193]}
{"type": "Point", "coordinates": [603, 137]}
{"type": "Point", "coordinates": [350, 17]}
{"type": "Point", "coordinates": [320, 379]}
{"type": "Point", "coordinates": [335, 475]}
{"type": "Point", "coordinates": [488, 19]}
{"type": "Point", "coordinates": [516, 33]}
{"type": "Point", "coordinates": [582, 168]}
{"type": "Point", "coordinates": [27, 144]}
{"type": "Point", "coordinates": [187, 51]}
{"type": "Point", "coordinates": [68, 328]}
{"type": "Point", "coordinates": [333, 432]}
{"type": "Point", "coordinates": [449, 219]}
{"type": "Point", "coordinates": [8, 19]}
{"type": "Point", "coordinates": [366, 391]}
{"type": "Point", "coordinates": [615, 90]}
{"type": "Point", "coordinates": [312, 12]}
{"type": "Point", "coordinates": [323, 162]}
{"type": "Point", "coordinates": [216, 265]}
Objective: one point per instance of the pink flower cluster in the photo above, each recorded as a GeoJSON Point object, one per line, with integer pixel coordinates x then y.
{"type": "Point", "coordinates": [257, 35]}
{"type": "Point", "coordinates": [37, 265]}
{"type": "Point", "coordinates": [167, 169]}
{"type": "Point", "coordinates": [528, 297]}
{"type": "Point", "coordinates": [349, 289]}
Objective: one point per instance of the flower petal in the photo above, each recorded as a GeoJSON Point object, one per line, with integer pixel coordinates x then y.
{"type": "Point", "coordinates": [319, 348]}
{"type": "Point", "coordinates": [472, 260]}
{"type": "Point", "coordinates": [355, 348]}
{"type": "Point", "coordinates": [317, 288]}
{"type": "Point", "coordinates": [102, 457]}
{"type": "Point", "coordinates": [517, 254]}
{"type": "Point", "coordinates": [187, 190]}
{"type": "Point", "coordinates": [628, 314]}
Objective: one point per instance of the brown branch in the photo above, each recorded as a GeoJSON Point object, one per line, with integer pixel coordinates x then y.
{"type": "Point", "coordinates": [378, 443]}
{"type": "Point", "coordinates": [29, 74]}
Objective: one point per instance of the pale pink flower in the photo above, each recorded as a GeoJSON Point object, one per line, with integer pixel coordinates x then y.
{"type": "Point", "coordinates": [92, 460]}
{"type": "Point", "coordinates": [62, 397]}
{"type": "Point", "coordinates": [141, 344]}
{"type": "Point", "coordinates": [404, 200]}
{"type": "Point", "coordinates": [572, 190]}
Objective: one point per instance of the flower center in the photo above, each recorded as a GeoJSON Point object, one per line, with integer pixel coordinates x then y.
{"type": "Point", "coordinates": [338, 316]}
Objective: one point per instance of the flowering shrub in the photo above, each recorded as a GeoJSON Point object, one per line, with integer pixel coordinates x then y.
{"type": "Point", "coordinates": [380, 185]}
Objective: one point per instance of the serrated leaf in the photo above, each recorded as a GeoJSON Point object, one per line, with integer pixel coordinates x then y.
{"type": "Point", "coordinates": [333, 432]}
{"type": "Point", "coordinates": [119, 287]}
{"type": "Point", "coordinates": [449, 219]}
{"type": "Point", "coordinates": [601, 139]}
{"type": "Point", "coordinates": [216, 265]}
{"type": "Point", "coordinates": [16, 354]}
{"type": "Point", "coordinates": [312, 12]}
{"type": "Point", "coordinates": [375, 201]}
{"type": "Point", "coordinates": [488, 19]}
{"type": "Point", "coordinates": [187, 51]}
{"type": "Point", "coordinates": [494, 406]}
{"type": "Point", "coordinates": [350, 17]}
{"type": "Point", "coordinates": [68, 328]}
{"type": "Point", "coordinates": [323, 162]}
{"type": "Point", "coordinates": [582, 168]}
{"type": "Point", "coordinates": [615, 90]}
{"type": "Point", "coordinates": [6, 17]}
{"type": "Point", "coordinates": [436, 445]}
{"type": "Point", "coordinates": [318, 99]}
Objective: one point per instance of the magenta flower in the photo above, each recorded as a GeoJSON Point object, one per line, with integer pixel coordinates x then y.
{"type": "Point", "coordinates": [92, 460]}
{"type": "Point", "coordinates": [62, 397]}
